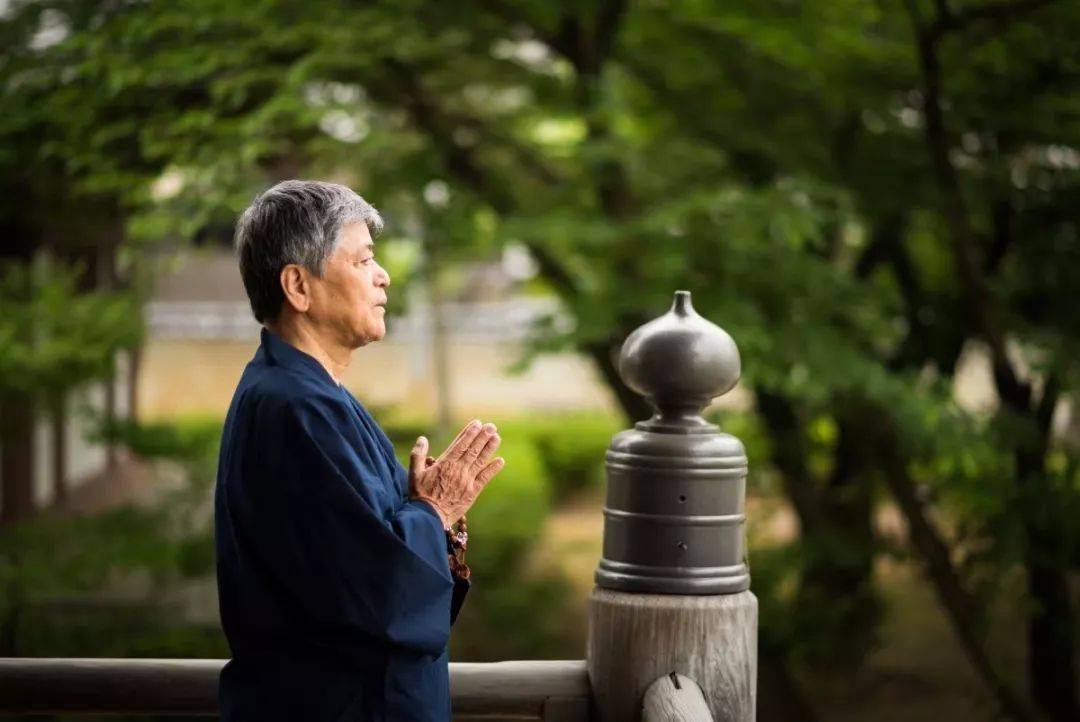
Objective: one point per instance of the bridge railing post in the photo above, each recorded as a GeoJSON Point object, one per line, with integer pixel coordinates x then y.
{"type": "Point", "coordinates": [672, 588]}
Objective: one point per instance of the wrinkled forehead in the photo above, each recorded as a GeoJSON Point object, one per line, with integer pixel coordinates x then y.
{"type": "Point", "coordinates": [355, 238]}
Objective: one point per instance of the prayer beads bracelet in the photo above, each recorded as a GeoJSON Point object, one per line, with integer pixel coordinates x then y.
{"type": "Point", "coordinates": [456, 542]}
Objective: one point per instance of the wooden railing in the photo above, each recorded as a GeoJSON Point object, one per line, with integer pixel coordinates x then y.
{"type": "Point", "coordinates": [672, 632]}
{"type": "Point", "coordinates": [555, 691]}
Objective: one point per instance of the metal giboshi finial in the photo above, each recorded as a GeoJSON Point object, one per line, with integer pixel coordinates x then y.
{"type": "Point", "coordinates": [674, 516]}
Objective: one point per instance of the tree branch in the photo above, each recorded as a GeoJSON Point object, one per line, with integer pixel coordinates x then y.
{"type": "Point", "coordinates": [608, 20]}
{"type": "Point", "coordinates": [1001, 219]}
{"type": "Point", "coordinates": [462, 163]}
{"type": "Point", "coordinates": [789, 455]}
{"type": "Point", "coordinates": [586, 51]}
{"type": "Point", "coordinates": [959, 605]}
{"type": "Point", "coordinates": [980, 303]}
{"type": "Point", "coordinates": [1044, 412]}
{"type": "Point", "coordinates": [948, 21]}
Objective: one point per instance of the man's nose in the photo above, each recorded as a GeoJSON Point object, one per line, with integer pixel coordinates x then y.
{"type": "Point", "coordinates": [384, 278]}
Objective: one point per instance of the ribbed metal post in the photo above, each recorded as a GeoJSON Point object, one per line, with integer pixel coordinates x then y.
{"type": "Point", "coordinates": [676, 485]}
{"type": "Point", "coordinates": [672, 590]}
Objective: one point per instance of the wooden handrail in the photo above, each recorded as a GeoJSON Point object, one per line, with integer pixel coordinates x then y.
{"type": "Point", "coordinates": [557, 689]}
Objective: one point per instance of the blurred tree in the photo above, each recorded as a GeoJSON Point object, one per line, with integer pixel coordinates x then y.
{"type": "Point", "coordinates": [860, 193]}
{"type": "Point", "coordinates": [56, 557]}
{"type": "Point", "coordinates": [54, 339]}
{"type": "Point", "coordinates": [59, 242]}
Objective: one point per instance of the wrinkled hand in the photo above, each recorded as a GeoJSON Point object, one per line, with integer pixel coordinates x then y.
{"type": "Point", "coordinates": [452, 482]}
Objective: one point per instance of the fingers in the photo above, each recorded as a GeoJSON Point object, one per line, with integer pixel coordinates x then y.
{"type": "Point", "coordinates": [455, 449]}
{"type": "Point", "coordinates": [464, 441]}
{"type": "Point", "coordinates": [462, 432]}
{"type": "Point", "coordinates": [472, 454]}
{"type": "Point", "coordinates": [489, 471]}
{"type": "Point", "coordinates": [489, 449]}
{"type": "Point", "coordinates": [418, 455]}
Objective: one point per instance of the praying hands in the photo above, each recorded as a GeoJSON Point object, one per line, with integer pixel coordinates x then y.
{"type": "Point", "coordinates": [452, 482]}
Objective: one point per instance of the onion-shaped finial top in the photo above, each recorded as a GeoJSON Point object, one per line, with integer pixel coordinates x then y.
{"type": "Point", "coordinates": [679, 362]}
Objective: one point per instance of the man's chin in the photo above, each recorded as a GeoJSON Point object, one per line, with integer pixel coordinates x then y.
{"type": "Point", "coordinates": [373, 335]}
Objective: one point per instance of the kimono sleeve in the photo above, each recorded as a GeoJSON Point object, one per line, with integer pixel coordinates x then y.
{"type": "Point", "coordinates": [376, 570]}
{"type": "Point", "coordinates": [406, 524]}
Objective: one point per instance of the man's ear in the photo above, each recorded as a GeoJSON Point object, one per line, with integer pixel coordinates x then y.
{"type": "Point", "coordinates": [296, 285]}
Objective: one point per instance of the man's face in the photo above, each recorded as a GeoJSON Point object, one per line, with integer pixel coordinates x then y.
{"type": "Point", "coordinates": [349, 301]}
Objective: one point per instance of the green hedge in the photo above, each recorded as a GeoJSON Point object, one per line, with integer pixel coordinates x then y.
{"type": "Point", "coordinates": [511, 613]}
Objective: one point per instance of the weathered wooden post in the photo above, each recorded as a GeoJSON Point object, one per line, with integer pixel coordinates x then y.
{"type": "Point", "coordinates": [673, 588]}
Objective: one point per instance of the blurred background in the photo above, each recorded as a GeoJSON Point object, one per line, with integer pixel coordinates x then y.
{"type": "Point", "coordinates": [877, 200]}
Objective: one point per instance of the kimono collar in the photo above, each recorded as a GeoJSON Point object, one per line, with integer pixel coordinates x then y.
{"type": "Point", "coordinates": [280, 352]}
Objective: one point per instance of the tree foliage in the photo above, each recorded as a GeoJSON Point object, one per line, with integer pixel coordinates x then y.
{"type": "Point", "coordinates": [54, 338]}
{"type": "Point", "coordinates": [863, 194]}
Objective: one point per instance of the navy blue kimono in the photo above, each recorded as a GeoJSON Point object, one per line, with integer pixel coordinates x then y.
{"type": "Point", "coordinates": [335, 589]}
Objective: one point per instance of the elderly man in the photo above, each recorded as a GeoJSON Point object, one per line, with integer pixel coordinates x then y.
{"type": "Point", "coordinates": [334, 563]}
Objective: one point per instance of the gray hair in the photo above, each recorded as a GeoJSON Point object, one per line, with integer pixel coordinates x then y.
{"type": "Point", "coordinates": [294, 222]}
